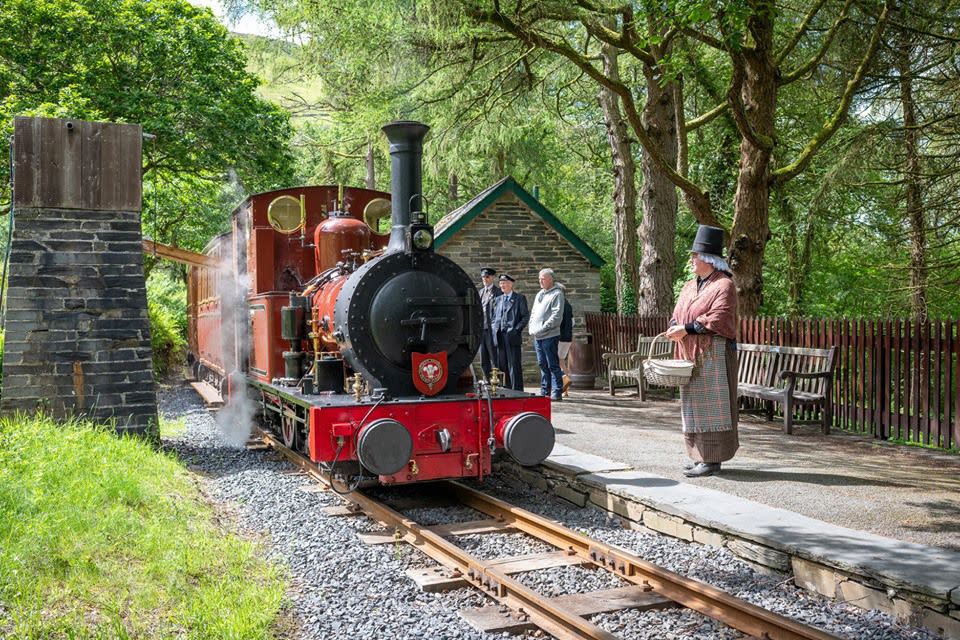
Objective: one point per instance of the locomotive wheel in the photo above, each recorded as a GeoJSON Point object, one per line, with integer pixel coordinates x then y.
{"type": "Point", "coordinates": [291, 433]}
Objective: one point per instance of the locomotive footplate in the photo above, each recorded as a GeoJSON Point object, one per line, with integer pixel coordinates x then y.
{"type": "Point", "coordinates": [415, 438]}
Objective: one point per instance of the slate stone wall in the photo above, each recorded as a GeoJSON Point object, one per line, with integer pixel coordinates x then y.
{"type": "Point", "coordinates": [77, 338]}
{"type": "Point", "coordinates": [512, 239]}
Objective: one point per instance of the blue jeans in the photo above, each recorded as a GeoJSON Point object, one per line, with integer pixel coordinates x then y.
{"type": "Point", "coordinates": [551, 376]}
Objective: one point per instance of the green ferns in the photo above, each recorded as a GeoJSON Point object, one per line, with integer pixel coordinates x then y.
{"type": "Point", "coordinates": [167, 305]}
{"type": "Point", "coordinates": [102, 536]}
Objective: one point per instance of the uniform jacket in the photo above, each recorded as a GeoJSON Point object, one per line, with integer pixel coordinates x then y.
{"type": "Point", "coordinates": [488, 299]}
{"type": "Point", "coordinates": [511, 317]}
{"type": "Point", "coordinates": [547, 313]}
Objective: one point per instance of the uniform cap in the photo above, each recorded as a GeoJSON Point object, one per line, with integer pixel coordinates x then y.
{"type": "Point", "coordinates": [507, 277]}
{"type": "Point", "coordinates": [487, 271]}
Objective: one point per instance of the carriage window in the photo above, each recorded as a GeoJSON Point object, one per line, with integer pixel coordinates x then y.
{"type": "Point", "coordinates": [285, 214]}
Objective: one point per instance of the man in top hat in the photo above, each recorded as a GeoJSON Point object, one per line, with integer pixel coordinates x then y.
{"type": "Point", "coordinates": [489, 293]}
{"type": "Point", "coordinates": [510, 317]}
{"type": "Point", "coordinates": [704, 326]}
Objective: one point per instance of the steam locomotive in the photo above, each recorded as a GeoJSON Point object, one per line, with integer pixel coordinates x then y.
{"type": "Point", "coordinates": [357, 347]}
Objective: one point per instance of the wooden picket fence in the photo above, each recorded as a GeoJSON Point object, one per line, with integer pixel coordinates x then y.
{"type": "Point", "coordinates": [894, 379]}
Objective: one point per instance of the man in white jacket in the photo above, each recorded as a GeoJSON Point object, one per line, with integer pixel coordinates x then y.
{"type": "Point", "coordinates": [545, 318]}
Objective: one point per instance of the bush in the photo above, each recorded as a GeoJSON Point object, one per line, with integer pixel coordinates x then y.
{"type": "Point", "coordinates": [167, 306]}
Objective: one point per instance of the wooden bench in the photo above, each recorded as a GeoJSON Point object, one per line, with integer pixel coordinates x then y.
{"type": "Point", "coordinates": [626, 369]}
{"type": "Point", "coordinates": [807, 374]}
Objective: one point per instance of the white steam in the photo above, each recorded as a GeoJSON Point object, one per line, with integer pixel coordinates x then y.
{"type": "Point", "coordinates": [235, 420]}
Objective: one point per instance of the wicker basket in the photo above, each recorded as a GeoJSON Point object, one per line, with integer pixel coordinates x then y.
{"type": "Point", "coordinates": [666, 373]}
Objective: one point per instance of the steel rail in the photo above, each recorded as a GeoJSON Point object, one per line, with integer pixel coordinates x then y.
{"type": "Point", "coordinates": [706, 599]}
{"type": "Point", "coordinates": [494, 582]}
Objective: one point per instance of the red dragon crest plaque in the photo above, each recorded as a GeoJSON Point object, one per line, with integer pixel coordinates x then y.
{"type": "Point", "coordinates": [430, 372]}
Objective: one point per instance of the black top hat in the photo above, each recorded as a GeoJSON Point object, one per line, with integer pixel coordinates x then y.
{"type": "Point", "coordinates": [506, 277]}
{"type": "Point", "coordinates": [708, 240]}
{"type": "Point", "coordinates": [487, 271]}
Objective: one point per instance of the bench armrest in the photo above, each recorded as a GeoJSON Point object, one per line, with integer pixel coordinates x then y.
{"type": "Point", "coordinates": [616, 356]}
{"type": "Point", "coordinates": [807, 376]}
{"type": "Point", "coordinates": [638, 358]}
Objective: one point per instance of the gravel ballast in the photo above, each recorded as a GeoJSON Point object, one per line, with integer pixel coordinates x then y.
{"type": "Point", "coordinates": [341, 588]}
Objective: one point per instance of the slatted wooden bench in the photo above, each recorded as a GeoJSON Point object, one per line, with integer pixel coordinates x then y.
{"type": "Point", "coordinates": [792, 376]}
{"type": "Point", "coordinates": [626, 369]}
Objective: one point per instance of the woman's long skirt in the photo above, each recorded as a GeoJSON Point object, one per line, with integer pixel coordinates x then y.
{"type": "Point", "coordinates": [707, 401]}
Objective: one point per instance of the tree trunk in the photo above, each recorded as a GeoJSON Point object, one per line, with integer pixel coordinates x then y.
{"type": "Point", "coordinates": [624, 189]}
{"type": "Point", "coordinates": [658, 228]}
{"type": "Point", "coordinates": [498, 163]}
{"type": "Point", "coordinates": [371, 174]}
{"type": "Point", "coordinates": [911, 177]}
{"type": "Point", "coordinates": [754, 97]}
{"type": "Point", "coordinates": [453, 189]}
{"type": "Point", "coordinates": [798, 248]}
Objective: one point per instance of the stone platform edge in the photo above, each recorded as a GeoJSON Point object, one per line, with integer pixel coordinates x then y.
{"type": "Point", "coordinates": [928, 606]}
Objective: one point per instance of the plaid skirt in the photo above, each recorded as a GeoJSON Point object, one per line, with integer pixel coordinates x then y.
{"type": "Point", "coordinates": [708, 401]}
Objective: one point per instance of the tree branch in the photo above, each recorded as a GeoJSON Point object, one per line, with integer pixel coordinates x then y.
{"type": "Point", "coordinates": [704, 38]}
{"type": "Point", "coordinates": [620, 41]}
{"type": "Point", "coordinates": [798, 34]}
{"type": "Point", "coordinates": [805, 68]}
{"type": "Point", "coordinates": [696, 199]}
{"type": "Point", "coordinates": [707, 117]}
{"type": "Point", "coordinates": [839, 115]}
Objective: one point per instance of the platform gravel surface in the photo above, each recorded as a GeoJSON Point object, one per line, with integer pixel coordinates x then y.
{"type": "Point", "coordinates": [341, 588]}
{"type": "Point", "coordinates": [891, 490]}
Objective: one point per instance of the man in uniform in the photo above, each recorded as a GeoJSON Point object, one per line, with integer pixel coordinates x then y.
{"type": "Point", "coordinates": [488, 297]}
{"type": "Point", "coordinates": [510, 316]}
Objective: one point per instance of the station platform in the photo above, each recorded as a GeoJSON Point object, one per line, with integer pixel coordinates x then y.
{"type": "Point", "coordinates": [872, 523]}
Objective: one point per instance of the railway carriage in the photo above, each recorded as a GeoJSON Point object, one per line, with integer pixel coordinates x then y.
{"type": "Point", "coordinates": [357, 345]}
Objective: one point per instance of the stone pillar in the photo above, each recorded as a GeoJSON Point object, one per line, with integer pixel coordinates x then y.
{"type": "Point", "coordinates": [77, 333]}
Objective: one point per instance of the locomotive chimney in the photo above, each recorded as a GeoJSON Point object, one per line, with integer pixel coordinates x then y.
{"type": "Point", "coordinates": [406, 151]}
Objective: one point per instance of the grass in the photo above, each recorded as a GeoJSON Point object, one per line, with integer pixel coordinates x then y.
{"type": "Point", "coordinates": [909, 442]}
{"type": "Point", "coordinates": [170, 428]}
{"type": "Point", "coordinates": [104, 537]}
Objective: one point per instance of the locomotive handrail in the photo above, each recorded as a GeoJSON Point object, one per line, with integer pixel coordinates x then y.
{"type": "Point", "coordinates": [412, 322]}
{"type": "Point", "coordinates": [440, 301]}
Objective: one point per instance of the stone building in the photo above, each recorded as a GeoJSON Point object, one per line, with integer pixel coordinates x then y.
{"type": "Point", "coordinates": [507, 228]}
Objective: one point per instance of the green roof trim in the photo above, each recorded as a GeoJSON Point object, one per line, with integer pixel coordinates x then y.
{"type": "Point", "coordinates": [457, 219]}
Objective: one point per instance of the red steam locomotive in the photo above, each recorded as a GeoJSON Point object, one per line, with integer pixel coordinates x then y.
{"type": "Point", "coordinates": [357, 346]}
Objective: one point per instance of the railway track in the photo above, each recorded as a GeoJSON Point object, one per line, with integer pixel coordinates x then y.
{"type": "Point", "coordinates": [519, 607]}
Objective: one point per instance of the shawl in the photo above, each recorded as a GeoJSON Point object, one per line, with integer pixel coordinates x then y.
{"type": "Point", "coordinates": [714, 306]}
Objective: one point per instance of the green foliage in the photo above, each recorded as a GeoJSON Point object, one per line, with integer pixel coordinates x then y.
{"type": "Point", "coordinates": [184, 81]}
{"type": "Point", "coordinates": [186, 211]}
{"type": "Point", "coordinates": [514, 114]}
{"type": "Point", "coordinates": [167, 306]}
{"type": "Point", "coordinates": [168, 66]}
{"type": "Point", "coordinates": [102, 536]}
